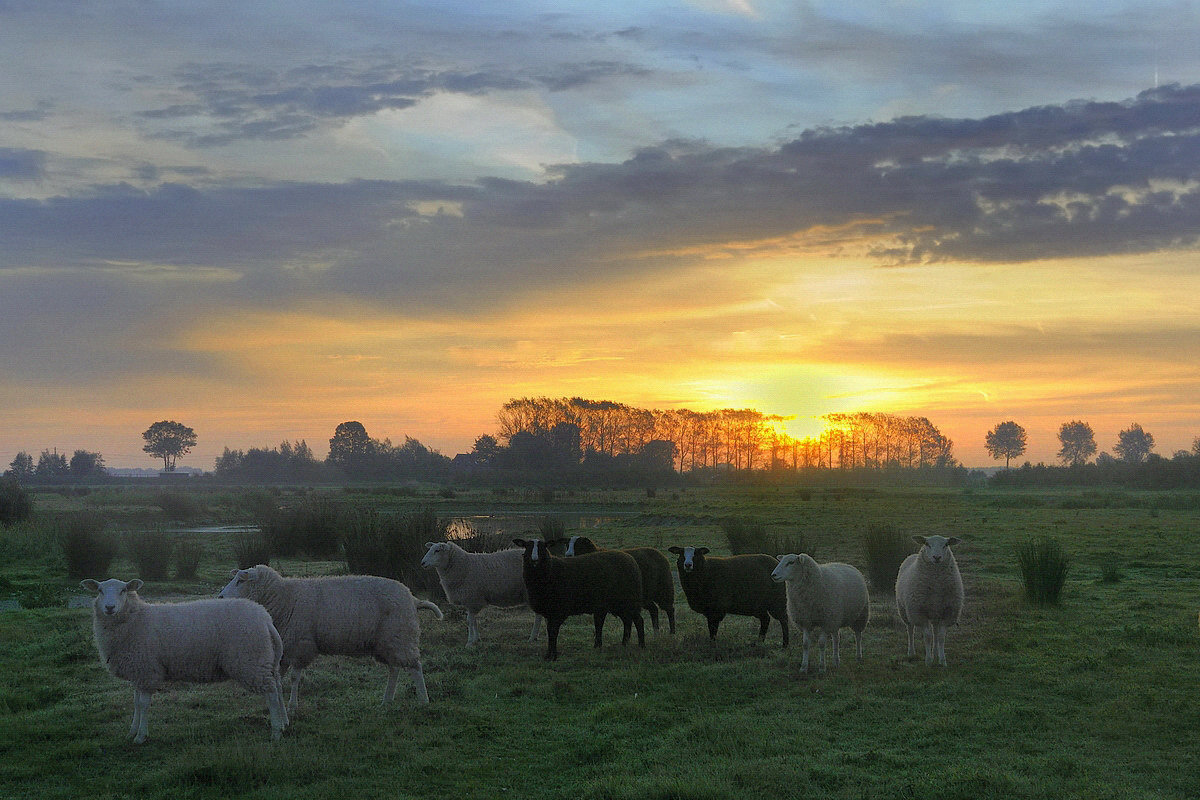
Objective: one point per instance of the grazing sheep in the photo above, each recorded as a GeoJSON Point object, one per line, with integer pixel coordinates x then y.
{"type": "Point", "coordinates": [929, 593]}
{"type": "Point", "coordinates": [740, 585]}
{"type": "Point", "coordinates": [348, 615]}
{"type": "Point", "coordinates": [477, 580]}
{"type": "Point", "coordinates": [599, 584]}
{"type": "Point", "coordinates": [657, 584]}
{"type": "Point", "coordinates": [827, 598]}
{"type": "Point", "coordinates": [202, 641]}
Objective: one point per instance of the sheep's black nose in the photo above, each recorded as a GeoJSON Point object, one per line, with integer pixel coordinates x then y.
{"type": "Point", "coordinates": [110, 609]}
{"type": "Point", "coordinates": [936, 559]}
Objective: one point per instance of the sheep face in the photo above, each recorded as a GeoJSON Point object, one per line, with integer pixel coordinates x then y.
{"type": "Point", "coordinates": [934, 549]}
{"type": "Point", "coordinates": [437, 557]}
{"type": "Point", "coordinates": [793, 567]}
{"type": "Point", "coordinates": [111, 594]}
{"type": "Point", "coordinates": [239, 583]}
{"type": "Point", "coordinates": [691, 559]}
{"type": "Point", "coordinates": [571, 546]}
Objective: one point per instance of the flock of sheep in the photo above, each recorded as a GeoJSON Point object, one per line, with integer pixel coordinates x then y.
{"type": "Point", "coordinates": [264, 625]}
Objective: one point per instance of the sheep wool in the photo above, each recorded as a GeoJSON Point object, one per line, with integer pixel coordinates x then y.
{"type": "Point", "coordinates": [599, 584]}
{"type": "Point", "coordinates": [929, 594]}
{"type": "Point", "coordinates": [477, 580]}
{"type": "Point", "coordinates": [824, 598]}
{"type": "Point", "coordinates": [740, 585]}
{"type": "Point", "coordinates": [202, 641]}
{"type": "Point", "coordinates": [348, 615]}
{"type": "Point", "coordinates": [657, 584]}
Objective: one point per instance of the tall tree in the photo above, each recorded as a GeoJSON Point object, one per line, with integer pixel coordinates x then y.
{"type": "Point", "coordinates": [1006, 440]}
{"type": "Point", "coordinates": [85, 464]}
{"type": "Point", "coordinates": [351, 447]}
{"type": "Point", "coordinates": [168, 440]}
{"type": "Point", "coordinates": [21, 467]}
{"type": "Point", "coordinates": [1133, 444]}
{"type": "Point", "coordinates": [51, 465]}
{"type": "Point", "coordinates": [1078, 442]}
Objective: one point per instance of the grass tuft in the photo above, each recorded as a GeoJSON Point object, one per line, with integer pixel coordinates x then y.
{"type": "Point", "coordinates": [1044, 567]}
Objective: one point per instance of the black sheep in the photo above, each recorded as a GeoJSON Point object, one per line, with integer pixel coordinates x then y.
{"type": "Point", "coordinates": [657, 585]}
{"type": "Point", "coordinates": [741, 585]}
{"type": "Point", "coordinates": [598, 584]}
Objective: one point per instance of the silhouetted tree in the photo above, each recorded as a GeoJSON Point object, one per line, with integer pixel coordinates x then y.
{"type": "Point", "coordinates": [168, 440]}
{"type": "Point", "coordinates": [1078, 442]}
{"type": "Point", "coordinates": [1133, 444]}
{"type": "Point", "coordinates": [350, 448]}
{"type": "Point", "coordinates": [21, 467]}
{"type": "Point", "coordinates": [1006, 440]}
{"type": "Point", "coordinates": [85, 464]}
{"type": "Point", "coordinates": [486, 451]}
{"type": "Point", "coordinates": [51, 465]}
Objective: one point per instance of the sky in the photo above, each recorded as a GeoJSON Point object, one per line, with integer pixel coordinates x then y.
{"type": "Point", "coordinates": [264, 219]}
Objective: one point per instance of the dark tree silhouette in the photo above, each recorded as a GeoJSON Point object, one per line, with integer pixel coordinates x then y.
{"type": "Point", "coordinates": [168, 440]}
{"type": "Point", "coordinates": [1006, 440]}
{"type": "Point", "coordinates": [85, 464]}
{"type": "Point", "coordinates": [51, 465]}
{"type": "Point", "coordinates": [1133, 444]}
{"type": "Point", "coordinates": [1078, 442]}
{"type": "Point", "coordinates": [21, 467]}
{"type": "Point", "coordinates": [350, 447]}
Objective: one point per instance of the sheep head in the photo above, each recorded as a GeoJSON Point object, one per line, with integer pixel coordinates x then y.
{"type": "Point", "coordinates": [934, 549]}
{"type": "Point", "coordinates": [691, 559]}
{"type": "Point", "coordinates": [798, 568]}
{"type": "Point", "coordinates": [438, 555]}
{"type": "Point", "coordinates": [111, 595]}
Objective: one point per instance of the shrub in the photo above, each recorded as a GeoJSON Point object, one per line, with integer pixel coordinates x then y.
{"type": "Point", "coordinates": [392, 545]}
{"type": "Point", "coordinates": [310, 528]}
{"type": "Point", "coordinates": [474, 541]}
{"type": "Point", "coordinates": [745, 536]}
{"type": "Point", "coordinates": [187, 559]}
{"type": "Point", "coordinates": [178, 506]}
{"type": "Point", "coordinates": [41, 595]}
{"type": "Point", "coordinates": [251, 550]}
{"type": "Point", "coordinates": [1044, 566]}
{"type": "Point", "coordinates": [152, 552]}
{"type": "Point", "coordinates": [551, 528]}
{"type": "Point", "coordinates": [86, 545]}
{"type": "Point", "coordinates": [15, 503]}
{"type": "Point", "coordinates": [884, 550]}
{"type": "Point", "coordinates": [1110, 568]}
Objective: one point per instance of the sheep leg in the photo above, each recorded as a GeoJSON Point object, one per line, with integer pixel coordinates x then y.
{"type": "Point", "coordinates": [641, 629]}
{"type": "Point", "coordinates": [653, 609]}
{"type": "Point", "coordinates": [804, 658]}
{"type": "Point", "coordinates": [783, 623]}
{"type": "Point", "coordinates": [537, 626]}
{"type": "Point", "coordinates": [598, 621]}
{"type": "Point", "coordinates": [417, 674]}
{"type": "Point", "coordinates": [552, 626]}
{"type": "Point", "coordinates": [141, 705]}
{"type": "Point", "coordinates": [927, 636]}
{"type": "Point", "coordinates": [858, 644]}
{"type": "Point", "coordinates": [627, 622]}
{"type": "Point", "coordinates": [294, 700]}
{"type": "Point", "coordinates": [671, 618]}
{"type": "Point", "coordinates": [389, 691]}
{"type": "Point", "coordinates": [940, 643]}
{"type": "Point", "coordinates": [764, 622]}
{"type": "Point", "coordinates": [472, 628]}
{"type": "Point", "coordinates": [714, 621]}
{"type": "Point", "coordinates": [837, 647]}
{"type": "Point", "coordinates": [278, 713]}
{"type": "Point", "coordinates": [912, 647]}
{"type": "Point", "coordinates": [821, 652]}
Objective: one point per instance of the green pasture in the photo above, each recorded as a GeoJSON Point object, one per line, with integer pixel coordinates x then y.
{"type": "Point", "coordinates": [1094, 698]}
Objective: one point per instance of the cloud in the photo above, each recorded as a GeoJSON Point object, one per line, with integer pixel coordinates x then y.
{"type": "Point", "coordinates": [24, 165]}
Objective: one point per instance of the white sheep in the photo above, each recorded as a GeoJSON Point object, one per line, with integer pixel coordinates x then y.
{"type": "Point", "coordinates": [929, 594]}
{"type": "Point", "coordinates": [477, 580]}
{"type": "Point", "coordinates": [349, 615]}
{"type": "Point", "coordinates": [202, 641]}
{"type": "Point", "coordinates": [824, 598]}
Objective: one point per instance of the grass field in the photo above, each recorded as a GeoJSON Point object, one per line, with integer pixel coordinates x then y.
{"type": "Point", "coordinates": [1093, 698]}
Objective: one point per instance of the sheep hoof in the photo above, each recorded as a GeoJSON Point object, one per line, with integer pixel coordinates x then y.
{"type": "Point", "coordinates": [139, 739]}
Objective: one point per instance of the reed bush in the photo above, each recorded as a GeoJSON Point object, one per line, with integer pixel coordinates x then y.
{"type": "Point", "coordinates": [1044, 567]}
{"type": "Point", "coordinates": [87, 546]}
{"type": "Point", "coordinates": [153, 552]}
{"type": "Point", "coordinates": [884, 550]}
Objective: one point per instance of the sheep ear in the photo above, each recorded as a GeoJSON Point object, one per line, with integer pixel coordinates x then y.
{"type": "Point", "coordinates": [134, 585]}
{"type": "Point", "coordinates": [233, 573]}
{"type": "Point", "coordinates": [90, 585]}
{"type": "Point", "coordinates": [953, 540]}
{"type": "Point", "coordinates": [919, 540]}
{"type": "Point", "coordinates": [779, 558]}
{"type": "Point", "coordinates": [428, 545]}
{"type": "Point", "coordinates": [701, 551]}
{"type": "Point", "coordinates": [676, 550]}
